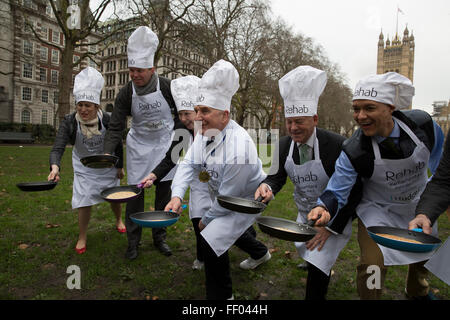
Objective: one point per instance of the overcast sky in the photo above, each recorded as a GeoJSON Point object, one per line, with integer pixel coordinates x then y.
{"type": "Point", "coordinates": [348, 30]}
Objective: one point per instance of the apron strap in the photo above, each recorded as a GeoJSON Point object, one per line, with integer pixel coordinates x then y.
{"type": "Point", "coordinates": [402, 125]}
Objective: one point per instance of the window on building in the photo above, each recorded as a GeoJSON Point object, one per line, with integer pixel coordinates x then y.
{"type": "Point", "coordinates": [48, 10]}
{"type": "Point", "coordinates": [28, 3]}
{"type": "Point", "coordinates": [27, 47]}
{"type": "Point", "coordinates": [123, 78]}
{"type": "Point", "coordinates": [27, 70]}
{"type": "Point", "coordinates": [25, 116]}
{"type": "Point", "coordinates": [26, 93]}
{"type": "Point", "coordinates": [43, 74]}
{"type": "Point", "coordinates": [55, 75]}
{"type": "Point", "coordinates": [55, 37]}
{"type": "Point", "coordinates": [44, 96]}
{"type": "Point", "coordinates": [92, 64]}
{"type": "Point", "coordinates": [55, 56]}
{"type": "Point", "coordinates": [75, 60]}
{"type": "Point", "coordinates": [55, 97]}
{"type": "Point", "coordinates": [44, 117]}
{"type": "Point", "coordinates": [44, 33]}
{"type": "Point", "coordinates": [44, 53]}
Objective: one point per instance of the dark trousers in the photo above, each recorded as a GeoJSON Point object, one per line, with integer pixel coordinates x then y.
{"type": "Point", "coordinates": [316, 283]}
{"type": "Point", "coordinates": [200, 254]}
{"type": "Point", "coordinates": [134, 231]}
{"type": "Point", "coordinates": [217, 269]}
{"type": "Point", "coordinates": [248, 243]}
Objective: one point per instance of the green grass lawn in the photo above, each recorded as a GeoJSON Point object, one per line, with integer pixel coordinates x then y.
{"type": "Point", "coordinates": [39, 231]}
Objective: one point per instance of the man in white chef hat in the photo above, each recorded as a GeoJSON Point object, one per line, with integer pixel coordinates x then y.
{"type": "Point", "coordinates": [391, 152]}
{"type": "Point", "coordinates": [229, 166]}
{"type": "Point", "coordinates": [307, 156]}
{"type": "Point", "coordinates": [148, 100]}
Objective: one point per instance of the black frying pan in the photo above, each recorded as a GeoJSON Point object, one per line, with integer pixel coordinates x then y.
{"type": "Point", "coordinates": [428, 242]}
{"type": "Point", "coordinates": [37, 186]}
{"type": "Point", "coordinates": [242, 205]}
{"type": "Point", "coordinates": [105, 193]}
{"type": "Point", "coordinates": [286, 229]}
{"type": "Point", "coordinates": [100, 161]}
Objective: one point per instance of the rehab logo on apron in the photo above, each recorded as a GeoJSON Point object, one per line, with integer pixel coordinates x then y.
{"type": "Point", "coordinates": [149, 137]}
{"type": "Point", "coordinates": [310, 179]}
{"type": "Point", "coordinates": [391, 195]}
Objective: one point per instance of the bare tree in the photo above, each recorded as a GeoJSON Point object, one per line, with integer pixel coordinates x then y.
{"type": "Point", "coordinates": [165, 18]}
{"type": "Point", "coordinates": [78, 25]}
{"type": "Point", "coordinates": [248, 53]}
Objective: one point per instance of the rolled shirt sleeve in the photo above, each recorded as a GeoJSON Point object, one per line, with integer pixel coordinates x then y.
{"type": "Point", "coordinates": [338, 189]}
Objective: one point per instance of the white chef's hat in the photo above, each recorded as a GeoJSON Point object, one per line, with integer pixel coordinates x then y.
{"type": "Point", "coordinates": [218, 85]}
{"type": "Point", "coordinates": [184, 92]}
{"type": "Point", "coordinates": [88, 86]}
{"type": "Point", "coordinates": [389, 88]}
{"type": "Point", "coordinates": [141, 48]}
{"type": "Point", "coordinates": [300, 89]}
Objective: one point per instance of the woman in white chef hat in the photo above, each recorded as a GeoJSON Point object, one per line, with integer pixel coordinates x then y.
{"type": "Point", "coordinates": [85, 130]}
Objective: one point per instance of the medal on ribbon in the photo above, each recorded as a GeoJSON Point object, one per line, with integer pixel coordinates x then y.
{"type": "Point", "coordinates": [204, 176]}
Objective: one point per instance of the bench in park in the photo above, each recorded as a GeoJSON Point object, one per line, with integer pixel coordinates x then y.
{"type": "Point", "coordinates": [16, 137]}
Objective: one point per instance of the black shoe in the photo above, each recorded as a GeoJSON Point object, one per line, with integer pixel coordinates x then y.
{"type": "Point", "coordinates": [163, 248]}
{"type": "Point", "coordinates": [303, 266]}
{"type": "Point", "coordinates": [131, 253]}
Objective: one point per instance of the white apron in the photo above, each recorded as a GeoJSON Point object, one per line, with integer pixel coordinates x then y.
{"type": "Point", "coordinates": [89, 182]}
{"type": "Point", "coordinates": [439, 263]}
{"type": "Point", "coordinates": [149, 137]}
{"type": "Point", "coordinates": [199, 198]}
{"type": "Point", "coordinates": [222, 232]}
{"type": "Point", "coordinates": [391, 195]}
{"type": "Point", "coordinates": [310, 179]}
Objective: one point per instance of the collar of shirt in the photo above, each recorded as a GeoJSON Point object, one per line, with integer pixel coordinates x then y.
{"type": "Point", "coordinates": [394, 134]}
{"type": "Point", "coordinates": [310, 141]}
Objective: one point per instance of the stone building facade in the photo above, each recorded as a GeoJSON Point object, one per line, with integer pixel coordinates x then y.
{"type": "Point", "coordinates": [398, 55]}
{"type": "Point", "coordinates": [32, 83]}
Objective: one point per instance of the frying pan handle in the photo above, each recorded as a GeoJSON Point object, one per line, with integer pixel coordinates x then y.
{"type": "Point", "coordinates": [312, 222]}
{"type": "Point", "coordinates": [140, 185]}
{"type": "Point", "coordinates": [417, 229]}
{"type": "Point", "coordinates": [182, 207]}
{"type": "Point", "coordinates": [260, 199]}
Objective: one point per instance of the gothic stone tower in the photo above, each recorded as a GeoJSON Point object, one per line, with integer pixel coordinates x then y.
{"type": "Point", "coordinates": [397, 56]}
